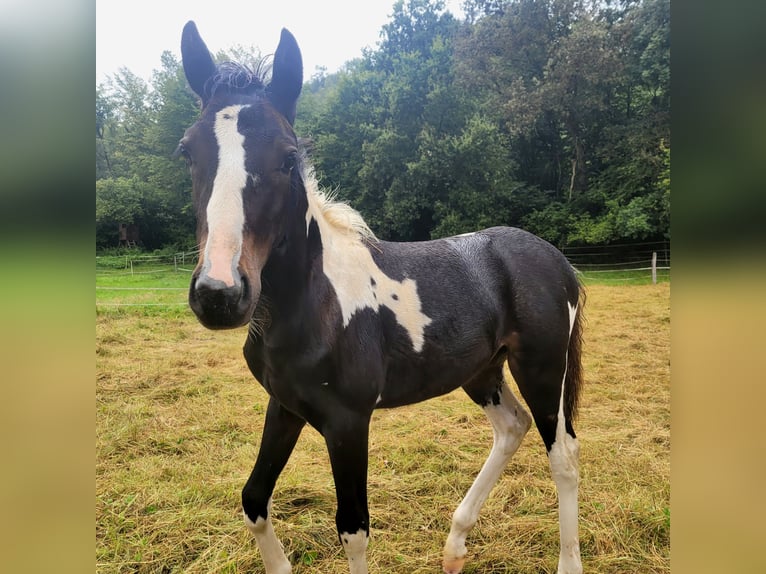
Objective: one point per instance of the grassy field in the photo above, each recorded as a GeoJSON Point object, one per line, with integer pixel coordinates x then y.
{"type": "Point", "coordinates": [179, 419]}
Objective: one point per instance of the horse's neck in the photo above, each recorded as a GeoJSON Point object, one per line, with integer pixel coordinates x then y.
{"type": "Point", "coordinates": [326, 258]}
{"type": "Point", "coordinates": [346, 260]}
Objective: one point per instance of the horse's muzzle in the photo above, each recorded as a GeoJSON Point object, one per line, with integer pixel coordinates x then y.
{"type": "Point", "coordinates": [219, 306]}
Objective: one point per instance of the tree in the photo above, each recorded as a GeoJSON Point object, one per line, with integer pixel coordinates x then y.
{"type": "Point", "coordinates": [629, 198]}
{"type": "Point", "coordinates": [583, 95]}
{"type": "Point", "coordinates": [371, 129]}
{"type": "Point", "coordinates": [104, 124]}
{"type": "Point", "coordinates": [473, 176]}
{"type": "Point", "coordinates": [169, 215]}
{"type": "Point", "coordinates": [412, 28]}
{"type": "Point", "coordinates": [118, 201]}
{"type": "Point", "coordinates": [138, 180]}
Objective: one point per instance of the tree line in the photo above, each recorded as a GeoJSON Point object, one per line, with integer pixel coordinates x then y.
{"type": "Point", "coordinates": [551, 115]}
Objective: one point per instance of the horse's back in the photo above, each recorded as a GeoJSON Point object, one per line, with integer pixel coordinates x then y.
{"type": "Point", "coordinates": [486, 267]}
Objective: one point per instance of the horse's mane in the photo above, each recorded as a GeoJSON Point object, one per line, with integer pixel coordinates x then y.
{"type": "Point", "coordinates": [340, 216]}
{"type": "Point", "coordinates": [235, 78]}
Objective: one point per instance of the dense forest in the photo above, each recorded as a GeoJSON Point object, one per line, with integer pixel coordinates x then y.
{"type": "Point", "coordinates": [551, 115]}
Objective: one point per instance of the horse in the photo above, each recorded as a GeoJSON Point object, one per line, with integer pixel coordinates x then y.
{"type": "Point", "coordinates": [341, 323]}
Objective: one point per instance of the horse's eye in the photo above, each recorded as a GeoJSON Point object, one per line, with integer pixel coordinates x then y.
{"type": "Point", "coordinates": [289, 162]}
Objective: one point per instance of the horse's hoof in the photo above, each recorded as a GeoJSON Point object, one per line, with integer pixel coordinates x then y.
{"type": "Point", "coordinates": [453, 565]}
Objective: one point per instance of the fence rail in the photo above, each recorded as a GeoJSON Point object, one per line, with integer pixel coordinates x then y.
{"type": "Point", "coordinates": [618, 253]}
{"type": "Point", "coordinates": [617, 259]}
{"type": "Point", "coordinates": [148, 280]}
{"type": "Point", "coordinates": [130, 264]}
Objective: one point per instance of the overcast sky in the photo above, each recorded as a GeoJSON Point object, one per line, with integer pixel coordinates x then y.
{"type": "Point", "coordinates": [134, 33]}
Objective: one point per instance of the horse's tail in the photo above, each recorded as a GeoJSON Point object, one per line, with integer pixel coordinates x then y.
{"type": "Point", "coordinates": [573, 381]}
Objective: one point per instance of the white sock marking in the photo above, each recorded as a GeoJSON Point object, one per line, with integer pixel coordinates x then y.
{"type": "Point", "coordinates": [355, 546]}
{"type": "Point", "coordinates": [225, 211]}
{"type": "Point", "coordinates": [274, 559]}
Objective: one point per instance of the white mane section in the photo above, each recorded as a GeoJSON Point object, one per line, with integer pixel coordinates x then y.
{"type": "Point", "coordinates": [340, 216]}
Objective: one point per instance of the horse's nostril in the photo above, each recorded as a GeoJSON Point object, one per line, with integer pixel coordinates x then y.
{"type": "Point", "coordinates": [245, 289]}
{"type": "Point", "coordinates": [206, 283]}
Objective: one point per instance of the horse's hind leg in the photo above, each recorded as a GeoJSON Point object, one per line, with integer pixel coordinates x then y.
{"type": "Point", "coordinates": [541, 374]}
{"type": "Point", "coordinates": [510, 422]}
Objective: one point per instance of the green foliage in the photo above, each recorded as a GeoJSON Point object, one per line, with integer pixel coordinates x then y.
{"type": "Point", "coordinates": [551, 115]}
{"type": "Point", "coordinates": [137, 179]}
{"type": "Point", "coordinates": [553, 222]}
{"type": "Point", "coordinates": [470, 179]}
{"type": "Point", "coordinates": [118, 200]}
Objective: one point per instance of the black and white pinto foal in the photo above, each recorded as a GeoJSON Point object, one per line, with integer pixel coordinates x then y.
{"type": "Point", "coordinates": [342, 324]}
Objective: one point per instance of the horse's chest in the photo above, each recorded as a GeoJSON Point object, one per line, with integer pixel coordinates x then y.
{"type": "Point", "coordinates": [289, 374]}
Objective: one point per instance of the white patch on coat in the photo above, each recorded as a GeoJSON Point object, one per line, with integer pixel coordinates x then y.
{"type": "Point", "coordinates": [225, 211]}
{"type": "Point", "coordinates": [358, 282]}
{"type": "Point", "coordinates": [355, 546]}
{"type": "Point", "coordinates": [564, 458]}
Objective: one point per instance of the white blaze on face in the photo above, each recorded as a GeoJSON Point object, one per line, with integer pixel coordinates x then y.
{"type": "Point", "coordinates": [225, 211]}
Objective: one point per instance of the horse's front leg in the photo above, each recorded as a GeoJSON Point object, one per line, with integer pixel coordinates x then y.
{"type": "Point", "coordinates": [280, 433]}
{"type": "Point", "coordinates": [346, 438]}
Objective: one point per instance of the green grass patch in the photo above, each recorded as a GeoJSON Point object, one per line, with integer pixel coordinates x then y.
{"type": "Point", "coordinates": [144, 286]}
{"type": "Point", "coordinates": [622, 277]}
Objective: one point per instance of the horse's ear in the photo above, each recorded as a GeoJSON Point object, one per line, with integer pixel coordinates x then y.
{"type": "Point", "coordinates": [198, 63]}
{"type": "Point", "coordinates": [286, 76]}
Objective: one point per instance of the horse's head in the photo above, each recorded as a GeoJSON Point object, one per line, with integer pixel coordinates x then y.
{"type": "Point", "coordinates": [241, 152]}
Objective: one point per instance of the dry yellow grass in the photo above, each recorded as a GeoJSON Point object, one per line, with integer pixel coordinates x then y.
{"type": "Point", "coordinates": [179, 420]}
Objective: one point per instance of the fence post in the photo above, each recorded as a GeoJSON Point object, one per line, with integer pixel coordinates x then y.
{"type": "Point", "coordinates": [654, 268]}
